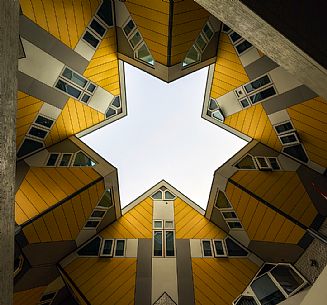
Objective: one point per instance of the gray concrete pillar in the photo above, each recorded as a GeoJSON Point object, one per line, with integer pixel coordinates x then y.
{"type": "Point", "coordinates": [272, 43]}
{"type": "Point", "coordinates": [9, 12]}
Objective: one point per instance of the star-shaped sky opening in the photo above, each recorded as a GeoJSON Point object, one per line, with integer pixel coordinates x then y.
{"type": "Point", "coordinates": [164, 137]}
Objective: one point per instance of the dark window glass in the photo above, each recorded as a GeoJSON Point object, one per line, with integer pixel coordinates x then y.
{"type": "Point", "coordinates": [98, 213]}
{"type": "Point", "coordinates": [229, 214]}
{"type": "Point", "coordinates": [297, 152]}
{"type": "Point", "coordinates": [157, 243]}
{"type": "Point", "coordinates": [135, 39]}
{"type": "Point", "coordinates": [92, 223]}
{"type": "Point", "coordinates": [105, 12]}
{"type": "Point", "coordinates": [206, 244]}
{"type": "Point", "coordinates": [82, 160]}
{"type": "Point", "coordinates": [283, 127]}
{"type": "Point", "coordinates": [233, 249]}
{"type": "Point", "coordinates": [107, 247]}
{"type": "Point", "coordinates": [169, 195]}
{"type": "Point", "coordinates": [116, 102]}
{"type": "Point", "coordinates": [207, 31]}
{"type": "Point", "coordinates": [234, 36]}
{"type": "Point", "coordinates": [106, 200]}
{"type": "Point", "coordinates": [110, 112]}
{"type": "Point", "coordinates": [157, 195]}
{"type": "Point", "coordinates": [218, 115]}
{"type": "Point", "coordinates": [246, 163]}
{"type": "Point", "coordinates": [48, 296]}
{"type": "Point", "coordinates": [74, 77]}
{"type": "Point", "coordinates": [91, 87]}
{"type": "Point", "coordinates": [226, 28]}
{"type": "Point", "coordinates": [235, 225]}
{"type": "Point", "coordinates": [63, 86]}
{"type": "Point", "coordinates": [219, 249]}
{"type": "Point", "coordinates": [243, 46]}
{"type": "Point", "coordinates": [245, 103]}
{"type": "Point", "coordinates": [201, 42]}
{"type": "Point", "coordinates": [41, 120]}
{"type": "Point", "coordinates": [120, 248]}
{"type": "Point", "coordinates": [273, 163]}
{"type": "Point", "coordinates": [65, 160]}
{"type": "Point", "coordinates": [144, 54]}
{"type": "Point", "coordinates": [222, 202]}
{"type": "Point", "coordinates": [170, 251]}
{"type": "Point", "coordinates": [36, 132]}
{"type": "Point", "coordinates": [97, 27]}
{"type": "Point", "coordinates": [287, 278]}
{"type": "Point", "coordinates": [212, 104]}
{"type": "Point", "coordinates": [52, 159]}
{"type": "Point", "coordinates": [266, 291]}
{"type": "Point", "coordinates": [18, 262]}
{"type": "Point", "coordinates": [28, 147]}
{"type": "Point", "coordinates": [262, 95]}
{"type": "Point", "coordinates": [288, 139]}
{"type": "Point", "coordinates": [246, 301]}
{"type": "Point", "coordinates": [265, 268]}
{"type": "Point", "coordinates": [191, 57]}
{"type": "Point", "coordinates": [129, 27]}
{"type": "Point", "coordinates": [91, 248]}
{"type": "Point", "coordinates": [85, 98]}
{"type": "Point", "coordinates": [91, 39]}
{"type": "Point", "coordinates": [260, 82]}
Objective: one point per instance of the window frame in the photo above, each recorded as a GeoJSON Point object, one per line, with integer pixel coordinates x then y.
{"type": "Point", "coordinates": [91, 228]}
{"type": "Point", "coordinates": [240, 42]}
{"type": "Point", "coordinates": [86, 243]}
{"type": "Point", "coordinates": [27, 136]}
{"type": "Point", "coordinates": [60, 158]}
{"type": "Point", "coordinates": [139, 46]}
{"type": "Point", "coordinates": [249, 169]}
{"type": "Point", "coordinates": [223, 246]}
{"type": "Point", "coordinates": [202, 248]}
{"type": "Point", "coordinates": [162, 243]}
{"type": "Point", "coordinates": [42, 126]}
{"type": "Point", "coordinates": [229, 211]}
{"type": "Point", "coordinates": [161, 227]}
{"type": "Point", "coordinates": [74, 157]}
{"type": "Point", "coordinates": [57, 160]}
{"type": "Point", "coordinates": [165, 226]}
{"type": "Point", "coordinates": [115, 249]}
{"type": "Point", "coordinates": [165, 243]}
{"type": "Point", "coordinates": [234, 221]}
{"type": "Point", "coordinates": [101, 254]}
{"type": "Point", "coordinates": [282, 123]}
{"type": "Point", "coordinates": [37, 127]}
{"type": "Point", "coordinates": [297, 140]}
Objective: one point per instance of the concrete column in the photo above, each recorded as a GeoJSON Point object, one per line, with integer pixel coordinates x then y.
{"type": "Point", "coordinates": [272, 43]}
{"type": "Point", "coordinates": [9, 39]}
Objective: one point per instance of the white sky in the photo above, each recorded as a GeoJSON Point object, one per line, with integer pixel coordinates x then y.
{"type": "Point", "coordinates": [164, 137]}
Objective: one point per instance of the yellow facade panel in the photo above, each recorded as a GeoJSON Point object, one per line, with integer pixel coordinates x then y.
{"type": "Point", "coordinates": [31, 234]}
{"type": "Point", "coordinates": [53, 226]}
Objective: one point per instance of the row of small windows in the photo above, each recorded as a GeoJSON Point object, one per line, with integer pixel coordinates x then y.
{"type": "Point", "coordinates": [137, 43]}
{"type": "Point", "coordinates": [261, 163]}
{"type": "Point", "coordinates": [104, 248]}
{"type": "Point", "coordinates": [37, 133]}
{"type": "Point", "coordinates": [69, 159]}
{"type": "Point", "coordinates": [163, 194]}
{"type": "Point", "coordinates": [163, 238]}
{"type": "Point", "coordinates": [222, 248]}
{"type": "Point", "coordinates": [100, 210]}
{"type": "Point", "coordinates": [240, 44]}
{"type": "Point", "coordinates": [99, 25]}
{"type": "Point", "coordinates": [194, 54]}
{"type": "Point", "coordinates": [273, 284]}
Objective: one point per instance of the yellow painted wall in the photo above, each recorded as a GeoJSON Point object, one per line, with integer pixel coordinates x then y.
{"type": "Point", "coordinates": [260, 222]}
{"type": "Point", "coordinates": [65, 20]}
{"type": "Point", "coordinates": [74, 118]}
{"type": "Point", "coordinates": [30, 297]}
{"type": "Point", "coordinates": [137, 223]}
{"type": "Point", "coordinates": [220, 281]}
{"type": "Point", "coordinates": [255, 123]}
{"type": "Point", "coordinates": [284, 190]}
{"type": "Point", "coordinates": [103, 67]}
{"type": "Point", "coordinates": [310, 121]}
{"type": "Point", "coordinates": [191, 224]}
{"type": "Point", "coordinates": [44, 187]}
{"type": "Point", "coordinates": [65, 221]}
{"type": "Point", "coordinates": [28, 108]}
{"type": "Point", "coordinates": [229, 72]}
{"type": "Point", "coordinates": [104, 280]}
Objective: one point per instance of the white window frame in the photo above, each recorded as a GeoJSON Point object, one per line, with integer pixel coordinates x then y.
{"type": "Point", "coordinates": [57, 161]}
{"type": "Point", "coordinates": [282, 123]}
{"type": "Point", "coordinates": [50, 300]}
{"type": "Point", "coordinates": [260, 167]}
{"type": "Point", "coordinates": [226, 32]}
{"type": "Point", "coordinates": [165, 242]}
{"type": "Point", "coordinates": [224, 248]}
{"type": "Point", "coordinates": [238, 43]}
{"type": "Point", "coordinates": [202, 248]}
{"type": "Point", "coordinates": [61, 156]}
{"type": "Point", "coordinates": [262, 89]}
{"type": "Point", "coordinates": [232, 221]}
{"type": "Point", "coordinates": [161, 227]}
{"type": "Point", "coordinates": [162, 243]}
{"type": "Point", "coordinates": [247, 169]}
{"type": "Point", "coordinates": [115, 248]}
{"type": "Point", "coordinates": [212, 30]}
{"type": "Point", "coordinates": [92, 228]}
{"type": "Point", "coordinates": [98, 209]}
{"type": "Point", "coordinates": [42, 126]}
{"type": "Point", "coordinates": [37, 127]}
{"type": "Point", "coordinates": [101, 254]}
{"type": "Point", "coordinates": [164, 195]}
{"type": "Point", "coordinates": [231, 210]}
{"type": "Point", "coordinates": [297, 141]}
{"type": "Point", "coordinates": [165, 225]}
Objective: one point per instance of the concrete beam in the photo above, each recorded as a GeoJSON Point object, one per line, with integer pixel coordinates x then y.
{"type": "Point", "coordinates": [9, 47]}
{"type": "Point", "coordinates": [272, 43]}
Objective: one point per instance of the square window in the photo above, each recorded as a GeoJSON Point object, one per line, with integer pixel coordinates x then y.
{"type": "Point", "coordinates": [91, 39]}
{"type": "Point", "coordinates": [129, 27]}
{"type": "Point", "coordinates": [169, 224]}
{"type": "Point", "coordinates": [289, 138]}
{"type": "Point", "coordinates": [135, 40]}
{"type": "Point", "coordinates": [284, 127]}
{"type": "Point", "coordinates": [158, 224]}
{"type": "Point", "coordinates": [234, 225]}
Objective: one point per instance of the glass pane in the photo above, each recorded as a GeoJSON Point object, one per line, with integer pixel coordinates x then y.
{"type": "Point", "coordinates": [63, 86]}
{"type": "Point", "coordinates": [260, 82]}
{"type": "Point", "coordinates": [105, 12]}
{"type": "Point", "coordinates": [265, 268]}
{"type": "Point", "coordinates": [245, 103]}
{"type": "Point", "coordinates": [287, 278]}
{"type": "Point", "coordinates": [246, 301]}
{"type": "Point", "coordinates": [229, 215]}
{"type": "Point", "coordinates": [157, 195]}
{"type": "Point", "coordinates": [144, 54]}
{"type": "Point", "coordinates": [266, 291]}
{"type": "Point", "coordinates": [234, 224]}
{"type": "Point", "coordinates": [157, 224]}
{"type": "Point", "coordinates": [91, 87]}
{"type": "Point", "coordinates": [107, 247]}
{"type": "Point", "coordinates": [36, 132]}
{"type": "Point", "coordinates": [106, 200]}
{"type": "Point", "coordinates": [28, 146]}
{"type": "Point", "coordinates": [262, 162]}
{"type": "Point", "coordinates": [92, 223]}
{"type": "Point", "coordinates": [116, 102]}
{"type": "Point", "coordinates": [284, 127]}
{"type": "Point", "coordinates": [192, 56]}
{"type": "Point", "coordinates": [110, 112]}
{"type": "Point", "coordinates": [97, 27]}
{"type": "Point", "coordinates": [91, 39]}
{"type": "Point", "coordinates": [91, 249]}
{"type": "Point", "coordinates": [222, 202]}
{"type": "Point", "coordinates": [288, 139]}
{"type": "Point", "coordinates": [157, 243]}
{"type": "Point", "coordinates": [234, 36]}
{"type": "Point", "coordinates": [219, 249]}
{"type": "Point", "coordinates": [246, 163]}
{"type": "Point", "coordinates": [212, 104]}
{"type": "Point", "coordinates": [264, 94]}
{"type": "Point", "coordinates": [41, 120]}
{"type": "Point", "coordinates": [52, 159]}
{"type": "Point", "coordinates": [201, 42]}
{"type": "Point", "coordinates": [226, 28]}
{"type": "Point", "coordinates": [48, 296]}
{"type": "Point", "coordinates": [129, 27]}
{"type": "Point", "coordinates": [82, 160]}
{"type": "Point", "coordinates": [170, 251]}
{"type": "Point", "coordinates": [243, 46]}
{"type": "Point", "coordinates": [169, 224]}
{"type": "Point", "coordinates": [297, 152]}
{"type": "Point", "coordinates": [120, 248]}
{"type": "Point", "coordinates": [274, 163]}
{"type": "Point", "coordinates": [233, 249]}
{"type": "Point", "coordinates": [85, 98]}
{"type": "Point", "coordinates": [218, 115]}
{"type": "Point", "coordinates": [135, 39]}
{"type": "Point", "coordinates": [98, 214]}
{"type": "Point", "coordinates": [206, 244]}
{"type": "Point", "coordinates": [65, 160]}
{"type": "Point", "coordinates": [207, 31]}
{"type": "Point", "coordinates": [169, 195]}
{"type": "Point", "coordinates": [75, 78]}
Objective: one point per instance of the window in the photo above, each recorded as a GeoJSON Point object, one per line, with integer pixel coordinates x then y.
{"type": "Point", "coordinates": [106, 200]}
{"type": "Point", "coordinates": [91, 39]}
{"type": "Point", "coordinates": [97, 27]}
{"type": "Point", "coordinates": [120, 247]}
{"type": "Point", "coordinates": [273, 163]}
{"type": "Point", "coordinates": [169, 195]}
{"type": "Point", "coordinates": [92, 224]}
{"type": "Point", "coordinates": [207, 31]}
{"type": "Point", "coordinates": [82, 160]}
{"type": "Point", "coordinates": [233, 249]}
{"type": "Point", "coordinates": [157, 195]}
{"type": "Point", "coordinates": [157, 243]}
{"type": "Point", "coordinates": [289, 139]}
{"type": "Point", "coordinates": [65, 159]}
{"type": "Point", "coordinates": [91, 248]}
{"type": "Point", "coordinates": [222, 201]}
{"type": "Point", "coordinates": [206, 248]}
{"type": "Point", "coordinates": [192, 56]}
{"type": "Point", "coordinates": [229, 215]}
{"type": "Point", "coordinates": [267, 163]}
{"type": "Point", "coordinates": [201, 42]}
{"type": "Point", "coordinates": [114, 108]}
{"type": "Point", "coordinates": [234, 225]}
{"type": "Point", "coordinates": [226, 29]}
{"type": "Point", "coordinates": [245, 102]}
{"type": "Point", "coordinates": [246, 163]}
{"type": "Point", "coordinates": [284, 127]}
{"type": "Point", "coordinates": [163, 238]}
{"type": "Point", "coordinates": [170, 243]}
{"type": "Point", "coordinates": [105, 13]}
{"type": "Point", "coordinates": [158, 224]}
{"type": "Point", "coordinates": [43, 121]}
{"type": "Point", "coordinates": [218, 115]}
{"type": "Point", "coordinates": [258, 83]}
{"type": "Point", "coordinates": [243, 46]}
{"type": "Point", "coordinates": [52, 159]}
{"type": "Point", "coordinates": [263, 95]}
{"type": "Point", "coordinates": [297, 152]}
{"type": "Point", "coordinates": [18, 264]}
{"type": "Point", "coordinates": [212, 104]}
{"type": "Point", "coordinates": [107, 248]}
{"type": "Point", "coordinates": [37, 132]}
{"type": "Point", "coordinates": [219, 248]}
{"type": "Point", "coordinates": [74, 77]}
{"type": "Point", "coordinates": [246, 300]}
{"type": "Point", "coordinates": [67, 88]}
{"type": "Point", "coordinates": [28, 146]}
{"type": "Point", "coordinates": [234, 37]}
{"type": "Point", "coordinates": [98, 213]}
{"type": "Point", "coordinates": [163, 195]}
{"type": "Point", "coordinates": [129, 27]}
